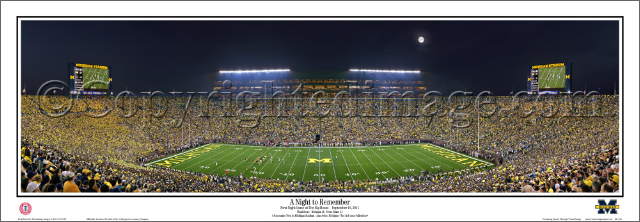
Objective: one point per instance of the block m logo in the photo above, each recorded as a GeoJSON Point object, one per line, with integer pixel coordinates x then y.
{"type": "Point", "coordinates": [610, 208]}
{"type": "Point", "coordinates": [312, 160]}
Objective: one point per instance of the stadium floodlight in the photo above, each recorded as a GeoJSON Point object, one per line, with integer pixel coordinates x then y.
{"type": "Point", "coordinates": [254, 71]}
{"type": "Point", "coordinates": [384, 71]}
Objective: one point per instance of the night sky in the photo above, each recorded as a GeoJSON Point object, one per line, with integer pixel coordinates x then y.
{"type": "Point", "coordinates": [476, 55]}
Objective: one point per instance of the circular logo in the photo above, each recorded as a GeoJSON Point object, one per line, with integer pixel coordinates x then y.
{"type": "Point", "coordinates": [25, 208]}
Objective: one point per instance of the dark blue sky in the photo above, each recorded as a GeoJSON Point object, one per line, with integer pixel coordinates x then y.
{"type": "Point", "coordinates": [476, 55]}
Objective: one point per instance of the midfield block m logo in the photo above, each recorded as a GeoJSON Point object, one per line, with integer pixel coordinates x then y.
{"type": "Point", "coordinates": [312, 160]}
{"type": "Point", "coordinates": [610, 208]}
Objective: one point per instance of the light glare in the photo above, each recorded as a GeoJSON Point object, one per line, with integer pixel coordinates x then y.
{"type": "Point", "coordinates": [384, 71]}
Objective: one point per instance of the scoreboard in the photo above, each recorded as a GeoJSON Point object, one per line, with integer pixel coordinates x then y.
{"type": "Point", "coordinates": [549, 79]}
{"type": "Point", "coordinates": [88, 79]}
{"type": "Point", "coordinates": [534, 81]}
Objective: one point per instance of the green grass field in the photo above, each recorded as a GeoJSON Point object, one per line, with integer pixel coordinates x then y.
{"type": "Point", "coordinates": [551, 78]}
{"type": "Point", "coordinates": [91, 74]}
{"type": "Point", "coordinates": [353, 163]}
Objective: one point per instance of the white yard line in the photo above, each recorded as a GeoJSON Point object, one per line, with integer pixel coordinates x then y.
{"type": "Point", "coordinates": [555, 77]}
{"type": "Point", "coordinates": [198, 161]}
{"type": "Point", "coordinates": [229, 160]}
{"type": "Point", "coordinates": [196, 158]}
{"type": "Point", "coordinates": [481, 160]}
{"type": "Point", "coordinates": [265, 163]}
{"type": "Point", "coordinates": [334, 168]}
{"type": "Point", "coordinates": [548, 79]}
{"type": "Point", "coordinates": [365, 172]}
{"type": "Point", "coordinates": [84, 77]}
{"type": "Point", "coordinates": [389, 165]}
{"type": "Point", "coordinates": [404, 158]}
{"type": "Point", "coordinates": [430, 164]}
{"type": "Point", "coordinates": [306, 162]}
{"type": "Point", "coordinates": [292, 163]}
{"type": "Point", "coordinates": [345, 163]}
{"type": "Point", "coordinates": [319, 164]}
{"type": "Point", "coordinates": [560, 76]}
{"type": "Point", "coordinates": [386, 162]}
{"type": "Point", "coordinates": [365, 155]}
{"type": "Point", "coordinates": [280, 162]}
{"type": "Point", "coordinates": [428, 157]}
{"type": "Point", "coordinates": [234, 167]}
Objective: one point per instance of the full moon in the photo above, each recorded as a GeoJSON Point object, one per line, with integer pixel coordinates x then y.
{"type": "Point", "coordinates": [420, 39]}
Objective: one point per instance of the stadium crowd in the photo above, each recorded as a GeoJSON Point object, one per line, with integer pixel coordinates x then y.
{"type": "Point", "coordinates": [574, 148]}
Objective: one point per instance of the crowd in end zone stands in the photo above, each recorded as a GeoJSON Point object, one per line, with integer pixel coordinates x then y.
{"type": "Point", "coordinates": [575, 150]}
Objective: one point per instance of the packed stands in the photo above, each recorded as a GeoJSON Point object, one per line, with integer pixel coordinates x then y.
{"type": "Point", "coordinates": [574, 150]}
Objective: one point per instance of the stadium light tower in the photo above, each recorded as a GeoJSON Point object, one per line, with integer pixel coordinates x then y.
{"type": "Point", "coordinates": [385, 71]}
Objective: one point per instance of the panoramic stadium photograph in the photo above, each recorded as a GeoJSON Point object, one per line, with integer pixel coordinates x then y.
{"type": "Point", "coordinates": [276, 106]}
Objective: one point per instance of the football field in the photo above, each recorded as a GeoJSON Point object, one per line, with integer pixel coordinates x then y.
{"type": "Point", "coordinates": [94, 74]}
{"type": "Point", "coordinates": [552, 78]}
{"type": "Point", "coordinates": [309, 163]}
